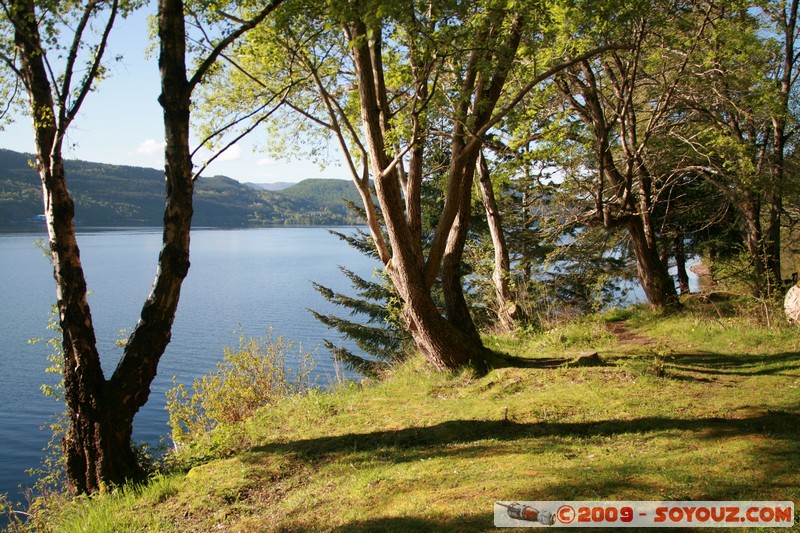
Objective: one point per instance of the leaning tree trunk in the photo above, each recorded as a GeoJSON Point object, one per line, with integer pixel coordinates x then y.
{"type": "Point", "coordinates": [456, 306]}
{"type": "Point", "coordinates": [508, 312]}
{"type": "Point", "coordinates": [97, 444]}
{"type": "Point", "coordinates": [465, 153]}
{"type": "Point", "coordinates": [92, 454]}
{"type": "Point", "coordinates": [652, 272]}
{"type": "Point", "coordinates": [442, 343]}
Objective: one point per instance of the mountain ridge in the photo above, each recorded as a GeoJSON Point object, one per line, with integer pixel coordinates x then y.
{"type": "Point", "coordinates": [273, 186]}
{"type": "Point", "coordinates": [109, 195]}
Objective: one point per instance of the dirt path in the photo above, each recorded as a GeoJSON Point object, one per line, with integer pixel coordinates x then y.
{"type": "Point", "coordinates": [624, 335]}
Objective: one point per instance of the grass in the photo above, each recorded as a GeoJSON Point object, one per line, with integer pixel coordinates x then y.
{"type": "Point", "coordinates": [687, 408]}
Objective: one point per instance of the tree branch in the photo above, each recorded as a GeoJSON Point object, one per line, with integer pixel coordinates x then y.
{"type": "Point", "coordinates": [477, 137]}
{"type": "Point", "coordinates": [91, 76]}
{"type": "Point", "coordinates": [202, 69]}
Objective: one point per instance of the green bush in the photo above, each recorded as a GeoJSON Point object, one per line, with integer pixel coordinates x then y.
{"type": "Point", "coordinates": [255, 375]}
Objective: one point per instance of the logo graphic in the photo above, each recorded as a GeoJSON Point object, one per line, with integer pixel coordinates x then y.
{"type": "Point", "coordinates": [517, 511]}
{"type": "Point", "coordinates": [650, 514]}
{"type": "Point", "coordinates": [565, 514]}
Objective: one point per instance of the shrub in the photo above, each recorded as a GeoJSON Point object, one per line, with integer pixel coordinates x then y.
{"type": "Point", "coordinates": [256, 375]}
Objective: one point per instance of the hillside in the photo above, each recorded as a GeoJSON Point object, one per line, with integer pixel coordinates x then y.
{"type": "Point", "coordinates": [683, 408]}
{"type": "Point", "coordinates": [114, 195]}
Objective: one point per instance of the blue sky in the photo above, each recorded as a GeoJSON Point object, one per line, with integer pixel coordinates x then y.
{"type": "Point", "coordinates": [121, 123]}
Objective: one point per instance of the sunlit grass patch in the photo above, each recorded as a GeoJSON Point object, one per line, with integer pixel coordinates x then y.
{"type": "Point", "coordinates": [135, 508]}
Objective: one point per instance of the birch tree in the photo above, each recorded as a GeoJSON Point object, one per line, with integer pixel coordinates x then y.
{"type": "Point", "coordinates": [49, 45]}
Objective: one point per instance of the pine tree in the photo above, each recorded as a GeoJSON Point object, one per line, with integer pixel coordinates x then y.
{"type": "Point", "coordinates": [381, 336]}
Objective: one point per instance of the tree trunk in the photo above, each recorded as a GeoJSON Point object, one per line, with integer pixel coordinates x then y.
{"type": "Point", "coordinates": [97, 445]}
{"type": "Point", "coordinates": [788, 24]}
{"type": "Point", "coordinates": [456, 307]}
{"type": "Point", "coordinates": [652, 272]}
{"type": "Point", "coordinates": [772, 247]}
{"type": "Point", "coordinates": [443, 344]}
{"type": "Point", "coordinates": [772, 244]}
{"type": "Point", "coordinates": [508, 313]}
{"type": "Point", "coordinates": [92, 449]}
{"type": "Point", "coordinates": [680, 264]}
{"type": "Point", "coordinates": [751, 209]}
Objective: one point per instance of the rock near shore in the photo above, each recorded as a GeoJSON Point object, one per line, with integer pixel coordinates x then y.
{"type": "Point", "coordinates": [791, 304]}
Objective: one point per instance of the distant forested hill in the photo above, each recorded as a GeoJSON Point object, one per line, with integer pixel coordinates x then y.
{"type": "Point", "coordinates": [112, 195]}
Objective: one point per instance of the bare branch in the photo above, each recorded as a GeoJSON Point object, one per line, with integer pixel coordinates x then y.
{"type": "Point", "coordinates": [12, 65]}
{"type": "Point", "coordinates": [91, 76]}
{"type": "Point", "coordinates": [236, 139]}
{"type": "Point", "coordinates": [398, 158]}
{"type": "Point", "coordinates": [239, 120]}
{"type": "Point", "coordinates": [312, 118]}
{"type": "Point", "coordinates": [234, 18]}
{"type": "Point", "coordinates": [72, 56]}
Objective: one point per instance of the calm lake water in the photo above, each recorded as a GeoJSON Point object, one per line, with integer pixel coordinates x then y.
{"type": "Point", "coordinates": [249, 280]}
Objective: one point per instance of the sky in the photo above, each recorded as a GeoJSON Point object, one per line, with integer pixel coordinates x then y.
{"type": "Point", "coordinates": [121, 123]}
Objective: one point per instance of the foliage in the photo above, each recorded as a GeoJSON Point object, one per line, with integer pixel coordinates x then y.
{"type": "Point", "coordinates": [585, 272]}
{"type": "Point", "coordinates": [561, 266]}
{"type": "Point", "coordinates": [735, 276]}
{"type": "Point", "coordinates": [676, 127]}
{"type": "Point", "coordinates": [382, 337]}
{"type": "Point", "coordinates": [51, 475]}
{"type": "Point", "coordinates": [261, 372]}
{"type": "Point", "coordinates": [8, 513]}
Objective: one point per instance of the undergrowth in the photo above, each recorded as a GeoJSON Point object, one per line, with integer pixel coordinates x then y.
{"type": "Point", "coordinates": [261, 372]}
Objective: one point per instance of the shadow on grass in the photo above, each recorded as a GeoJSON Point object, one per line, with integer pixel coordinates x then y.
{"type": "Point", "coordinates": [776, 425]}
{"type": "Point", "coordinates": [711, 363]}
{"type": "Point", "coordinates": [504, 360]}
{"type": "Point", "coordinates": [736, 364]}
{"type": "Point", "coordinates": [770, 475]}
{"type": "Point", "coordinates": [588, 358]}
{"type": "Point", "coordinates": [467, 522]}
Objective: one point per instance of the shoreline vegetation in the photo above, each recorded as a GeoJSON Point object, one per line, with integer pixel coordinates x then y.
{"type": "Point", "coordinates": [701, 404]}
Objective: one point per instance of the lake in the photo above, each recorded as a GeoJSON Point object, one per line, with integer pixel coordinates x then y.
{"type": "Point", "coordinates": [246, 280]}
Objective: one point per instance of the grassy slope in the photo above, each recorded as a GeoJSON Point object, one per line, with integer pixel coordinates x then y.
{"type": "Point", "coordinates": [423, 451]}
